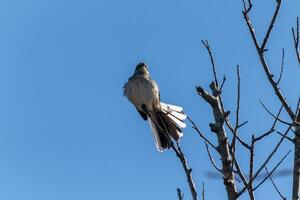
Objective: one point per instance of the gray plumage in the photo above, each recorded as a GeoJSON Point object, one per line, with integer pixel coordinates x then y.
{"type": "Point", "coordinates": [165, 120]}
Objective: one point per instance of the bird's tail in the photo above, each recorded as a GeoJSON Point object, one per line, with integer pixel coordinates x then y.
{"type": "Point", "coordinates": [166, 125]}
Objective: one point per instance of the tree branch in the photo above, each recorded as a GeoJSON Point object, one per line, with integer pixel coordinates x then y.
{"type": "Point", "coordinates": [223, 147]}
{"type": "Point", "coordinates": [180, 195]}
{"type": "Point", "coordinates": [273, 183]}
{"type": "Point", "coordinates": [181, 156]}
{"type": "Point", "coordinates": [265, 162]}
{"type": "Point", "coordinates": [194, 126]}
{"type": "Point", "coordinates": [187, 169]}
{"type": "Point", "coordinates": [203, 191]}
{"type": "Point", "coordinates": [272, 129]}
{"type": "Point", "coordinates": [281, 68]}
{"type": "Point", "coordinates": [251, 166]}
{"type": "Point", "coordinates": [270, 113]}
{"type": "Point", "coordinates": [296, 40]}
{"type": "Point", "coordinates": [261, 50]}
{"type": "Point", "coordinates": [237, 112]}
{"type": "Point", "coordinates": [206, 44]}
{"type": "Point", "coordinates": [271, 25]}
{"type": "Point", "coordinates": [273, 170]}
{"type": "Point", "coordinates": [296, 170]}
{"type": "Point", "coordinates": [211, 159]}
{"type": "Point", "coordinates": [286, 137]}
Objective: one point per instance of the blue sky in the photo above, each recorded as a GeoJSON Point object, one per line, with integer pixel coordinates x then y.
{"type": "Point", "coordinates": [67, 132]}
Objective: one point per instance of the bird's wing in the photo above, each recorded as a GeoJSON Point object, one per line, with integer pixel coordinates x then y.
{"type": "Point", "coordinates": [143, 115]}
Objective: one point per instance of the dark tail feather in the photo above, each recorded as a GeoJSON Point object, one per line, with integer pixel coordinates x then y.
{"type": "Point", "coordinates": [166, 129]}
{"type": "Point", "coordinates": [170, 126]}
{"type": "Point", "coordinates": [164, 139]}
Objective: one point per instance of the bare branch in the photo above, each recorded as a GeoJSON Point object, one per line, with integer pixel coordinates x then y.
{"type": "Point", "coordinates": [206, 44]}
{"type": "Point", "coordinates": [201, 134]}
{"type": "Point", "coordinates": [273, 183]}
{"type": "Point", "coordinates": [242, 124]}
{"type": "Point", "coordinates": [265, 162]}
{"type": "Point", "coordinates": [233, 143]}
{"type": "Point", "coordinates": [250, 26]}
{"type": "Point", "coordinates": [232, 130]}
{"type": "Point", "coordinates": [209, 98]}
{"type": "Point", "coordinates": [179, 193]}
{"type": "Point", "coordinates": [247, 8]}
{"type": "Point", "coordinates": [272, 129]}
{"type": "Point", "coordinates": [261, 50]}
{"type": "Point", "coordinates": [238, 98]}
{"type": "Point", "coordinates": [264, 135]}
{"type": "Point", "coordinates": [211, 159]}
{"type": "Point", "coordinates": [286, 137]}
{"type": "Point", "coordinates": [274, 116]}
{"type": "Point", "coordinates": [223, 148]}
{"type": "Point", "coordinates": [222, 84]}
{"type": "Point", "coordinates": [242, 177]}
{"type": "Point", "coordinates": [240, 173]}
{"type": "Point", "coordinates": [215, 84]}
{"type": "Point", "coordinates": [181, 156]}
{"type": "Point", "coordinates": [273, 170]}
{"type": "Point", "coordinates": [187, 169]}
{"type": "Point", "coordinates": [203, 191]}
{"type": "Point", "coordinates": [251, 164]}
{"type": "Point", "coordinates": [296, 39]}
{"type": "Point", "coordinates": [296, 170]}
{"type": "Point", "coordinates": [281, 68]}
{"type": "Point", "coordinates": [271, 25]}
{"type": "Point", "coordinates": [220, 115]}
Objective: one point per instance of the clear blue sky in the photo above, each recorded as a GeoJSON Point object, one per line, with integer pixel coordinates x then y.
{"type": "Point", "coordinates": [67, 132]}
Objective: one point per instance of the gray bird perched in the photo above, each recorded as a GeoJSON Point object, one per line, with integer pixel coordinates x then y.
{"type": "Point", "coordinates": [166, 120]}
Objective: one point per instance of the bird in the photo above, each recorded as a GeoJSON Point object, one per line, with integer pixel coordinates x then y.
{"type": "Point", "coordinates": [166, 120]}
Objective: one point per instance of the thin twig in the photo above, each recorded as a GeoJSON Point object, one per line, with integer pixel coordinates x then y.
{"type": "Point", "coordinates": [230, 127]}
{"type": "Point", "coordinates": [273, 170]}
{"type": "Point", "coordinates": [242, 124]}
{"type": "Point", "coordinates": [194, 126]}
{"type": "Point", "coordinates": [264, 135]}
{"type": "Point", "coordinates": [251, 164]}
{"type": "Point", "coordinates": [238, 98]}
{"type": "Point", "coordinates": [274, 116]}
{"type": "Point", "coordinates": [265, 40]}
{"type": "Point", "coordinates": [273, 183]}
{"type": "Point", "coordinates": [296, 169]}
{"type": "Point", "coordinates": [217, 91]}
{"type": "Point", "coordinates": [179, 193]}
{"type": "Point", "coordinates": [240, 173]}
{"type": "Point", "coordinates": [286, 137]}
{"type": "Point", "coordinates": [203, 191]}
{"type": "Point", "coordinates": [242, 177]}
{"type": "Point", "coordinates": [296, 40]}
{"type": "Point", "coordinates": [281, 68]}
{"type": "Point", "coordinates": [247, 8]}
{"type": "Point", "coordinates": [222, 84]}
{"type": "Point", "coordinates": [211, 159]}
{"type": "Point", "coordinates": [206, 44]}
{"type": "Point", "coordinates": [187, 169]}
{"type": "Point", "coordinates": [261, 49]}
{"type": "Point", "coordinates": [181, 156]}
{"type": "Point", "coordinates": [265, 162]}
{"type": "Point", "coordinates": [272, 129]}
{"type": "Point", "coordinates": [233, 143]}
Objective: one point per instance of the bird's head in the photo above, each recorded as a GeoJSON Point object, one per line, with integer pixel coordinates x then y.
{"type": "Point", "coordinates": [141, 69]}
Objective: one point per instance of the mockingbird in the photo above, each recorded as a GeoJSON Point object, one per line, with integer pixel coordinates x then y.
{"type": "Point", "coordinates": [165, 120]}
